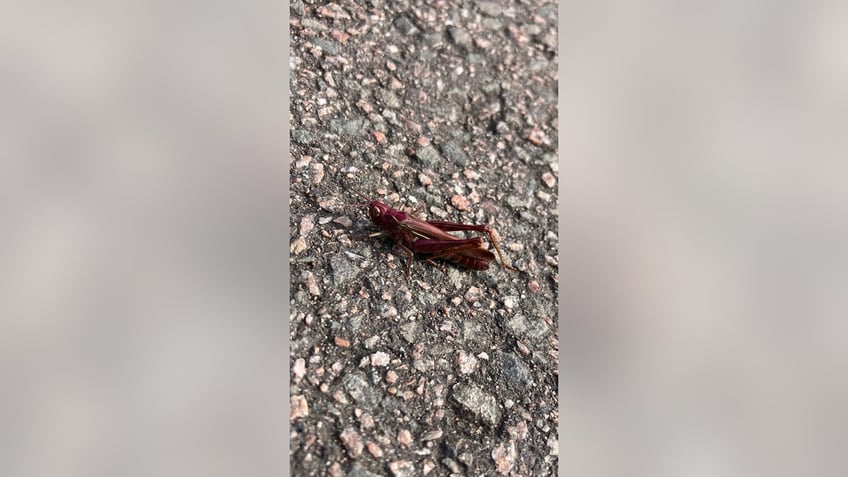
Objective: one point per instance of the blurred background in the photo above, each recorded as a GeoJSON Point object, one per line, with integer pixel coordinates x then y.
{"type": "Point", "coordinates": [142, 290]}
{"type": "Point", "coordinates": [703, 229]}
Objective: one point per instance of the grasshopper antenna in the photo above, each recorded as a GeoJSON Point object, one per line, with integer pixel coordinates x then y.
{"type": "Point", "coordinates": [360, 194]}
{"type": "Point", "coordinates": [351, 189]}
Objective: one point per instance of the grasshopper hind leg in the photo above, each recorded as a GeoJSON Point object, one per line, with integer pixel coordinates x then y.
{"type": "Point", "coordinates": [494, 241]}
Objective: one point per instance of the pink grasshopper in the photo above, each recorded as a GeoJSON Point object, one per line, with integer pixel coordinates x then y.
{"type": "Point", "coordinates": [431, 237]}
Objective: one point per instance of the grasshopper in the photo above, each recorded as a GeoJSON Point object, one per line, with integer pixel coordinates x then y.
{"type": "Point", "coordinates": [431, 238]}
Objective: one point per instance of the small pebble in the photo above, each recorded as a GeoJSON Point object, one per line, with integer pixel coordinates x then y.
{"type": "Point", "coordinates": [404, 26]}
{"type": "Point", "coordinates": [452, 465]}
{"type": "Point", "coordinates": [367, 420]}
{"type": "Point", "coordinates": [537, 136]}
{"type": "Point", "coordinates": [553, 444]}
{"type": "Point", "coordinates": [423, 365]}
{"type": "Point", "coordinates": [432, 435]}
{"type": "Point", "coordinates": [327, 203]}
{"type": "Point", "coordinates": [343, 221]}
{"type": "Point", "coordinates": [424, 179]}
{"type": "Point", "coordinates": [311, 284]}
{"type": "Point", "coordinates": [440, 213]}
{"type": "Point", "coordinates": [460, 202]}
{"type": "Point", "coordinates": [379, 137]}
{"type": "Point", "coordinates": [428, 155]}
{"type": "Point", "coordinates": [492, 9]}
{"type": "Point", "coordinates": [549, 179]}
{"type": "Point", "coordinates": [339, 36]}
{"type": "Point", "coordinates": [476, 404]}
{"type": "Point", "coordinates": [518, 431]}
{"type": "Point", "coordinates": [365, 106]}
{"type": "Point", "coordinates": [298, 246]}
{"type": "Point", "coordinates": [482, 43]}
{"type": "Point", "coordinates": [350, 438]}
{"type": "Point", "coordinates": [371, 342]}
{"type": "Point", "coordinates": [404, 438]}
{"type": "Point", "coordinates": [514, 246]}
{"type": "Point", "coordinates": [333, 10]}
{"type": "Point", "coordinates": [340, 397]}
{"type": "Point", "coordinates": [307, 223]}
{"type": "Point", "coordinates": [317, 173]}
{"type": "Point", "coordinates": [303, 161]}
{"type": "Point", "coordinates": [459, 36]}
{"type": "Point", "coordinates": [299, 407]}
{"type": "Point", "coordinates": [523, 348]}
{"type": "Point", "coordinates": [389, 311]}
{"type": "Point", "coordinates": [299, 369]}
{"type": "Point", "coordinates": [391, 377]}
{"type": "Point", "coordinates": [341, 342]}
{"type": "Point", "coordinates": [374, 449]}
{"type": "Point", "coordinates": [473, 294]}
{"type": "Point", "coordinates": [402, 468]}
{"type": "Point", "coordinates": [504, 457]}
{"type": "Point", "coordinates": [380, 359]}
{"type": "Point", "coordinates": [467, 362]}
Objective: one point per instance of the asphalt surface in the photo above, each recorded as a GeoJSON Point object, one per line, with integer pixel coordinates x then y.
{"type": "Point", "coordinates": [447, 107]}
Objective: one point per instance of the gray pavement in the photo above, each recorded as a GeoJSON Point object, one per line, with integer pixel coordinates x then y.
{"type": "Point", "coordinates": [448, 107]}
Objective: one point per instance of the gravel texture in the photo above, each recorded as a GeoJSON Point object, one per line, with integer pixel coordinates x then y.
{"type": "Point", "coordinates": [449, 108]}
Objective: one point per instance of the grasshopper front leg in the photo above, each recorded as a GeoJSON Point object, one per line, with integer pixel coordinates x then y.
{"type": "Point", "coordinates": [368, 236]}
{"type": "Point", "coordinates": [409, 257]}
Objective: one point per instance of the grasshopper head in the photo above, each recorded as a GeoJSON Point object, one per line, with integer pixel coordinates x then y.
{"type": "Point", "coordinates": [377, 211]}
